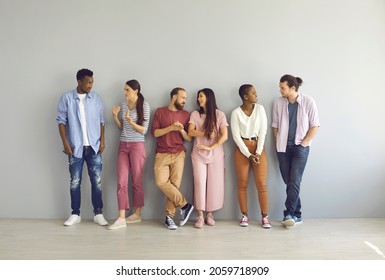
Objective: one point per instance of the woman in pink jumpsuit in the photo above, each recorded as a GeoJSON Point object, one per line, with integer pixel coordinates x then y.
{"type": "Point", "coordinates": [209, 127]}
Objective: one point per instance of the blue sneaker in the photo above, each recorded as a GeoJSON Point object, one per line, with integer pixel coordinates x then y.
{"type": "Point", "coordinates": [297, 220]}
{"type": "Point", "coordinates": [288, 221]}
{"type": "Point", "coordinates": [169, 223]}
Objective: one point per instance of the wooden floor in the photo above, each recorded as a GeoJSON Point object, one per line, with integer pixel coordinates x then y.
{"type": "Point", "coordinates": [315, 239]}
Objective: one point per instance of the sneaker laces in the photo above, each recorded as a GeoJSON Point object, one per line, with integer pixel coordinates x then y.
{"type": "Point", "coordinates": [265, 220]}
{"type": "Point", "coordinates": [170, 221]}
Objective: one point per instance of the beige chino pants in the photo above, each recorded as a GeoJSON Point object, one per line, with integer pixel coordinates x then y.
{"type": "Point", "coordinates": [168, 169]}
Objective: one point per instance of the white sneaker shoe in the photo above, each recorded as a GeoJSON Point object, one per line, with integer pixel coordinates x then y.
{"type": "Point", "coordinates": [99, 219]}
{"type": "Point", "coordinates": [73, 219]}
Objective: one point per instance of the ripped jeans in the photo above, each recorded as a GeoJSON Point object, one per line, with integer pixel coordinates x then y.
{"type": "Point", "coordinates": [94, 166]}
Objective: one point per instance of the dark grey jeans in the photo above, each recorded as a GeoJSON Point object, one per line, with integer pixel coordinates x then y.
{"type": "Point", "coordinates": [292, 165]}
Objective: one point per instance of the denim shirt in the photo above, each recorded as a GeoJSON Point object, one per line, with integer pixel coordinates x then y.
{"type": "Point", "coordinates": [68, 113]}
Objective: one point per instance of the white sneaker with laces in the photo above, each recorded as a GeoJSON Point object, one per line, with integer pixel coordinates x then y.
{"type": "Point", "coordinates": [99, 219]}
{"type": "Point", "coordinates": [244, 221]}
{"type": "Point", "coordinates": [73, 219]}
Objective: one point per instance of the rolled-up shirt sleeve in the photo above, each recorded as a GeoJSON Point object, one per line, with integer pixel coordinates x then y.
{"type": "Point", "coordinates": [313, 114]}
{"type": "Point", "coordinates": [101, 110]}
{"type": "Point", "coordinates": [62, 111]}
{"type": "Point", "coordinates": [275, 122]}
{"type": "Point", "coordinates": [155, 122]}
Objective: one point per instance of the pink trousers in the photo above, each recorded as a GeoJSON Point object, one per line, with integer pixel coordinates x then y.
{"type": "Point", "coordinates": [131, 158]}
{"type": "Point", "coordinates": [209, 185]}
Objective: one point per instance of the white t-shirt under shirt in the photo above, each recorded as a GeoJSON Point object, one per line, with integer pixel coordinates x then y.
{"type": "Point", "coordinates": [245, 126]}
{"type": "Point", "coordinates": [83, 121]}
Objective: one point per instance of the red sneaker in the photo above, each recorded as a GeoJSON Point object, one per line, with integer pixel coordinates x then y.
{"type": "Point", "coordinates": [266, 222]}
{"type": "Point", "coordinates": [244, 221]}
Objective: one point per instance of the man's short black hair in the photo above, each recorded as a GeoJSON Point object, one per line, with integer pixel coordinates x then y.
{"type": "Point", "coordinates": [82, 73]}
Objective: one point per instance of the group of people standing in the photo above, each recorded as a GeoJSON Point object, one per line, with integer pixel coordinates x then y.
{"type": "Point", "coordinates": [81, 127]}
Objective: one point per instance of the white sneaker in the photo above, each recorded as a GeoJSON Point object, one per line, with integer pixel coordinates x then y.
{"type": "Point", "coordinates": [99, 219]}
{"type": "Point", "coordinates": [73, 219]}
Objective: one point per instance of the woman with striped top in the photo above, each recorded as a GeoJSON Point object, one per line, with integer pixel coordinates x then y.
{"type": "Point", "coordinates": [132, 117]}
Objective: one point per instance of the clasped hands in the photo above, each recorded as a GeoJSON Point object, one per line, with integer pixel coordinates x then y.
{"type": "Point", "coordinates": [177, 126]}
{"type": "Point", "coordinates": [254, 158]}
{"type": "Point", "coordinates": [213, 134]}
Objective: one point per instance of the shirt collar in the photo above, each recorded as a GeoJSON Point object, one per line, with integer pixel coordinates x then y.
{"type": "Point", "coordinates": [299, 99]}
{"type": "Point", "coordinates": [91, 94]}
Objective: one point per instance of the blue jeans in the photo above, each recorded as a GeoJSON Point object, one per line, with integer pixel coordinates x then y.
{"type": "Point", "coordinates": [94, 166]}
{"type": "Point", "coordinates": [292, 165]}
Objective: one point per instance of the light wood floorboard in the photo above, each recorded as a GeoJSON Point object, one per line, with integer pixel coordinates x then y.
{"type": "Point", "coordinates": [315, 239]}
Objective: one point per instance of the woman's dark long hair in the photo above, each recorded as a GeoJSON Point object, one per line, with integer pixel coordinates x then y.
{"type": "Point", "coordinates": [134, 84]}
{"type": "Point", "coordinates": [211, 116]}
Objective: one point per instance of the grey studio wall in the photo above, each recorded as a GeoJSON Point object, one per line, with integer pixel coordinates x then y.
{"type": "Point", "coordinates": [337, 47]}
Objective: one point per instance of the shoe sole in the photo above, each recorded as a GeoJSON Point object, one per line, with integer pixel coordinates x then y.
{"type": "Point", "coordinates": [288, 223]}
{"type": "Point", "coordinates": [266, 226]}
{"type": "Point", "coordinates": [133, 221]}
{"type": "Point", "coordinates": [174, 228]}
{"type": "Point", "coordinates": [68, 225]}
{"type": "Point", "coordinates": [244, 225]}
{"type": "Point", "coordinates": [116, 227]}
{"type": "Point", "coordinates": [104, 224]}
{"type": "Point", "coordinates": [182, 223]}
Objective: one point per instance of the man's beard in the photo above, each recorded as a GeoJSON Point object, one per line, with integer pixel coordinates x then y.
{"type": "Point", "coordinates": [178, 105]}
